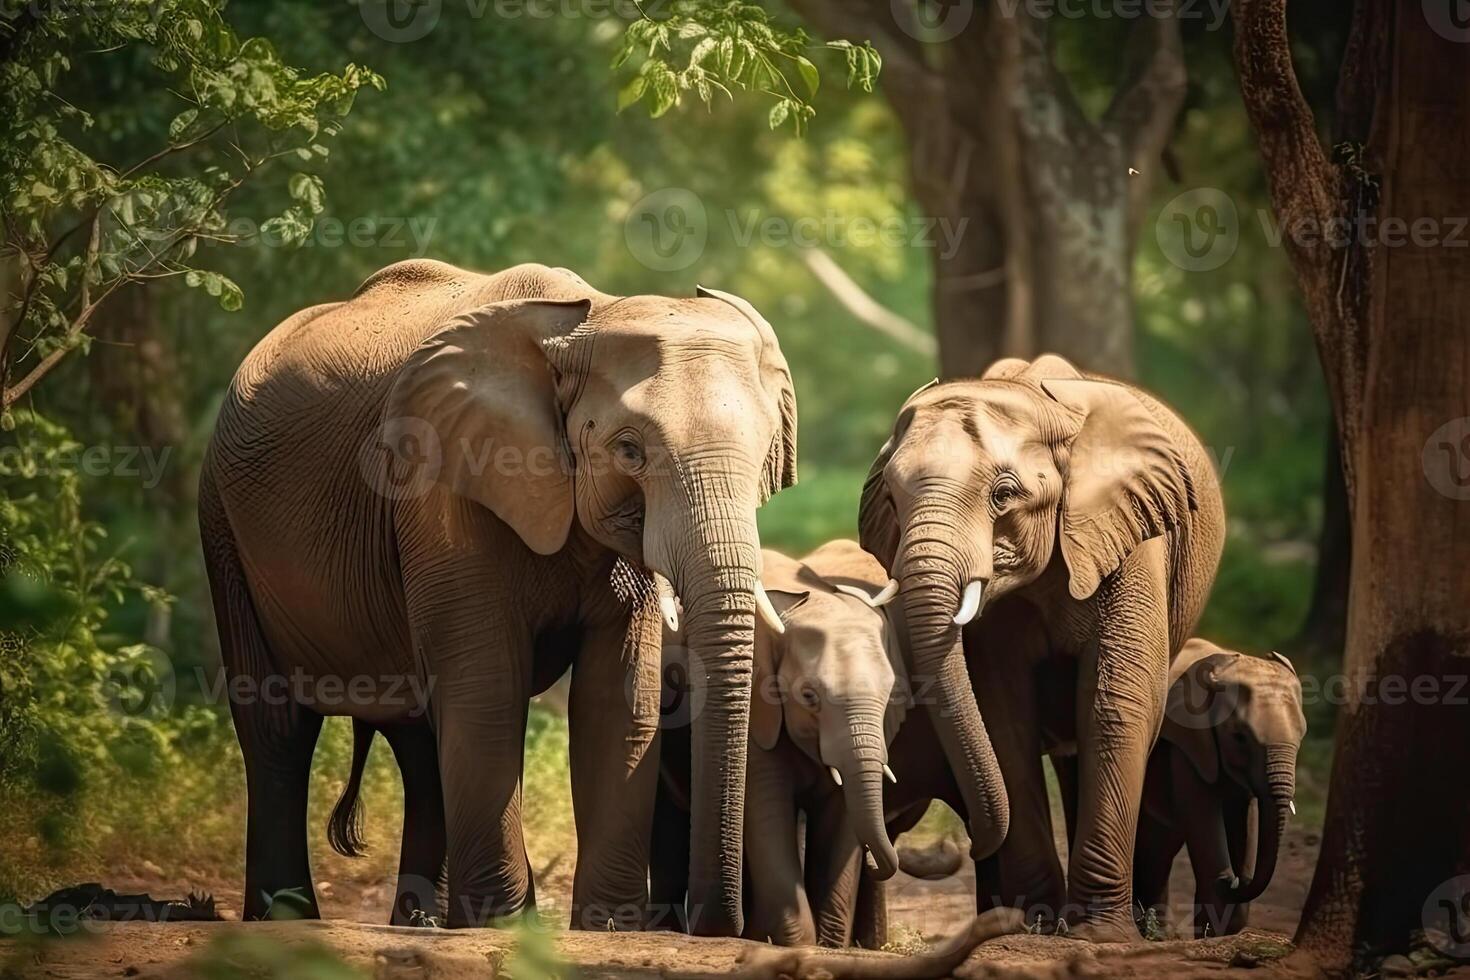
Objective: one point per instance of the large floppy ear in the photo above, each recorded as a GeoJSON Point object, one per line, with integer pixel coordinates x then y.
{"type": "Point", "coordinates": [766, 696]}
{"type": "Point", "coordinates": [1191, 714]}
{"type": "Point", "coordinates": [877, 517]}
{"type": "Point", "coordinates": [483, 394]}
{"type": "Point", "coordinates": [776, 380]}
{"type": "Point", "coordinates": [1125, 479]}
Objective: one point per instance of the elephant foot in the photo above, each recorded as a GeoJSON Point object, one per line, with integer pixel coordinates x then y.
{"type": "Point", "coordinates": [1110, 927]}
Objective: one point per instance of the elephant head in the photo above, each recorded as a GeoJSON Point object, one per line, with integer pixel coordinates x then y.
{"type": "Point", "coordinates": [980, 484]}
{"type": "Point", "coordinates": [1240, 718]}
{"type": "Point", "coordinates": [833, 679]}
{"type": "Point", "coordinates": [656, 426]}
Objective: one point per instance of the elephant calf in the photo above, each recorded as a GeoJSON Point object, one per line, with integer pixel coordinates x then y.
{"type": "Point", "coordinates": [1231, 732]}
{"type": "Point", "coordinates": [828, 695]}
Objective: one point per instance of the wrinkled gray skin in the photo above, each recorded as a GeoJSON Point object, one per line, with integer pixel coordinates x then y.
{"type": "Point", "coordinates": [1096, 509]}
{"type": "Point", "coordinates": [1231, 734]}
{"type": "Point", "coordinates": [465, 479]}
{"type": "Point", "coordinates": [828, 695]}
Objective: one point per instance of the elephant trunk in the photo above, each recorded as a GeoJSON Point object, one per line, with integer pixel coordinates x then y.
{"type": "Point", "coordinates": [933, 575]}
{"type": "Point", "coordinates": [859, 756]}
{"type": "Point", "coordinates": [1273, 803]}
{"type": "Point", "coordinates": [712, 560]}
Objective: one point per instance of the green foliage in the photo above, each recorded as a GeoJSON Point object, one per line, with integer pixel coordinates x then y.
{"type": "Point", "coordinates": [731, 44]}
{"type": "Point", "coordinates": [79, 222]}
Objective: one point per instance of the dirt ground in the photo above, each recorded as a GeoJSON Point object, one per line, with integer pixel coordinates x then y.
{"type": "Point", "coordinates": [353, 906]}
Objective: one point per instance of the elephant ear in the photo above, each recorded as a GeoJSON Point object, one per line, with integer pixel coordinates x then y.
{"type": "Point", "coordinates": [1191, 715]}
{"type": "Point", "coordinates": [877, 517]}
{"type": "Point", "coordinates": [776, 380]}
{"type": "Point", "coordinates": [1125, 479]}
{"type": "Point", "coordinates": [766, 697]}
{"type": "Point", "coordinates": [485, 389]}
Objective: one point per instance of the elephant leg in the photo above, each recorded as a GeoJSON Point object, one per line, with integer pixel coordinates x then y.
{"type": "Point", "coordinates": [834, 862]}
{"type": "Point", "coordinates": [1122, 683]}
{"type": "Point", "coordinates": [614, 718]}
{"type": "Point", "coordinates": [870, 913]}
{"type": "Point", "coordinates": [779, 909]}
{"type": "Point", "coordinates": [1065, 768]}
{"type": "Point", "coordinates": [421, 868]}
{"type": "Point", "coordinates": [1201, 814]}
{"type": "Point", "coordinates": [1153, 860]}
{"type": "Point", "coordinates": [668, 863]}
{"type": "Point", "coordinates": [1003, 672]}
{"type": "Point", "coordinates": [277, 737]}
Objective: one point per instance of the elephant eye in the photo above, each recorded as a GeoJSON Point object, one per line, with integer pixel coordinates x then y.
{"type": "Point", "coordinates": [808, 697]}
{"type": "Point", "coordinates": [629, 454]}
{"type": "Point", "coordinates": [1004, 492]}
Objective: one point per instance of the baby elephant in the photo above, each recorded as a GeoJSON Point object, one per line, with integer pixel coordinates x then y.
{"type": "Point", "coordinates": [1231, 732]}
{"type": "Point", "coordinates": [827, 697]}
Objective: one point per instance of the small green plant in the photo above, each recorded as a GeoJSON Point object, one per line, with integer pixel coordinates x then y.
{"type": "Point", "coordinates": [905, 940]}
{"type": "Point", "coordinates": [1151, 926]}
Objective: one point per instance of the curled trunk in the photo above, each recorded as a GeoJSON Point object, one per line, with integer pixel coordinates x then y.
{"type": "Point", "coordinates": [860, 760]}
{"type": "Point", "coordinates": [931, 580]}
{"type": "Point", "coordinates": [1273, 802]}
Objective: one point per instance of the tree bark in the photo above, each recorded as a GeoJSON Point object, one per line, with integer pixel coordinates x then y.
{"type": "Point", "coordinates": [1324, 628]}
{"type": "Point", "coordinates": [1392, 321]}
{"type": "Point", "coordinates": [1040, 204]}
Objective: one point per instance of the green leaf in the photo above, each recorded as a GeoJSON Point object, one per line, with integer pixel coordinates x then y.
{"type": "Point", "coordinates": [809, 74]}
{"type": "Point", "coordinates": [631, 92]}
{"type": "Point", "coordinates": [779, 112]}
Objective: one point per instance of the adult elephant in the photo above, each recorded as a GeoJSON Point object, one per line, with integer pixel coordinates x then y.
{"type": "Point", "coordinates": [464, 479]}
{"type": "Point", "coordinates": [1097, 508]}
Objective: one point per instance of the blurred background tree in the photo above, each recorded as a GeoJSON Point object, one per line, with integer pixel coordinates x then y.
{"type": "Point", "coordinates": [498, 138]}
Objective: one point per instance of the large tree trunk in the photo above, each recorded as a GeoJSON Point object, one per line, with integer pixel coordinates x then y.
{"type": "Point", "coordinates": [1039, 202]}
{"type": "Point", "coordinates": [1393, 328]}
{"type": "Point", "coordinates": [1324, 628]}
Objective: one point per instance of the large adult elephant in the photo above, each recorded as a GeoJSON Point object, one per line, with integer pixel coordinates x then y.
{"type": "Point", "coordinates": [1095, 506]}
{"type": "Point", "coordinates": [465, 479]}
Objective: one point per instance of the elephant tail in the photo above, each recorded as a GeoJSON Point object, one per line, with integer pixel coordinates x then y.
{"type": "Point", "coordinates": [344, 827]}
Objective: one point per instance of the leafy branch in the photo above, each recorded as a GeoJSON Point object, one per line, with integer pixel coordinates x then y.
{"type": "Point", "coordinates": [731, 45]}
{"type": "Point", "coordinates": [235, 107]}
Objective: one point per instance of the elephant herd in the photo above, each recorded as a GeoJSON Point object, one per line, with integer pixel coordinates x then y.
{"type": "Point", "coordinates": [464, 485]}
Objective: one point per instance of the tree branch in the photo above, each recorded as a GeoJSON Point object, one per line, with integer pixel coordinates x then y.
{"type": "Point", "coordinates": [1147, 101]}
{"type": "Point", "coordinates": [1301, 178]}
{"type": "Point", "coordinates": [865, 308]}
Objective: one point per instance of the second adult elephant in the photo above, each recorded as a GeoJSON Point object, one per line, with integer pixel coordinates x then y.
{"type": "Point", "coordinates": [465, 480]}
{"type": "Point", "coordinates": [1094, 506]}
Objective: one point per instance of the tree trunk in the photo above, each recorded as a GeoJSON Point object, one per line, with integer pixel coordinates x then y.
{"type": "Point", "coordinates": [1034, 204]}
{"type": "Point", "coordinates": [1324, 628]}
{"type": "Point", "coordinates": [1392, 320]}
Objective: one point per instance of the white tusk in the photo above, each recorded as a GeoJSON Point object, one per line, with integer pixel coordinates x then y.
{"type": "Point", "coordinates": [856, 593]}
{"type": "Point", "coordinates": [670, 609]}
{"type": "Point", "coordinates": [886, 596]}
{"type": "Point", "coordinates": [970, 602]}
{"type": "Point", "coordinates": [1291, 805]}
{"type": "Point", "coordinates": [836, 776]}
{"type": "Point", "coordinates": [768, 611]}
{"type": "Point", "coordinates": [889, 773]}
